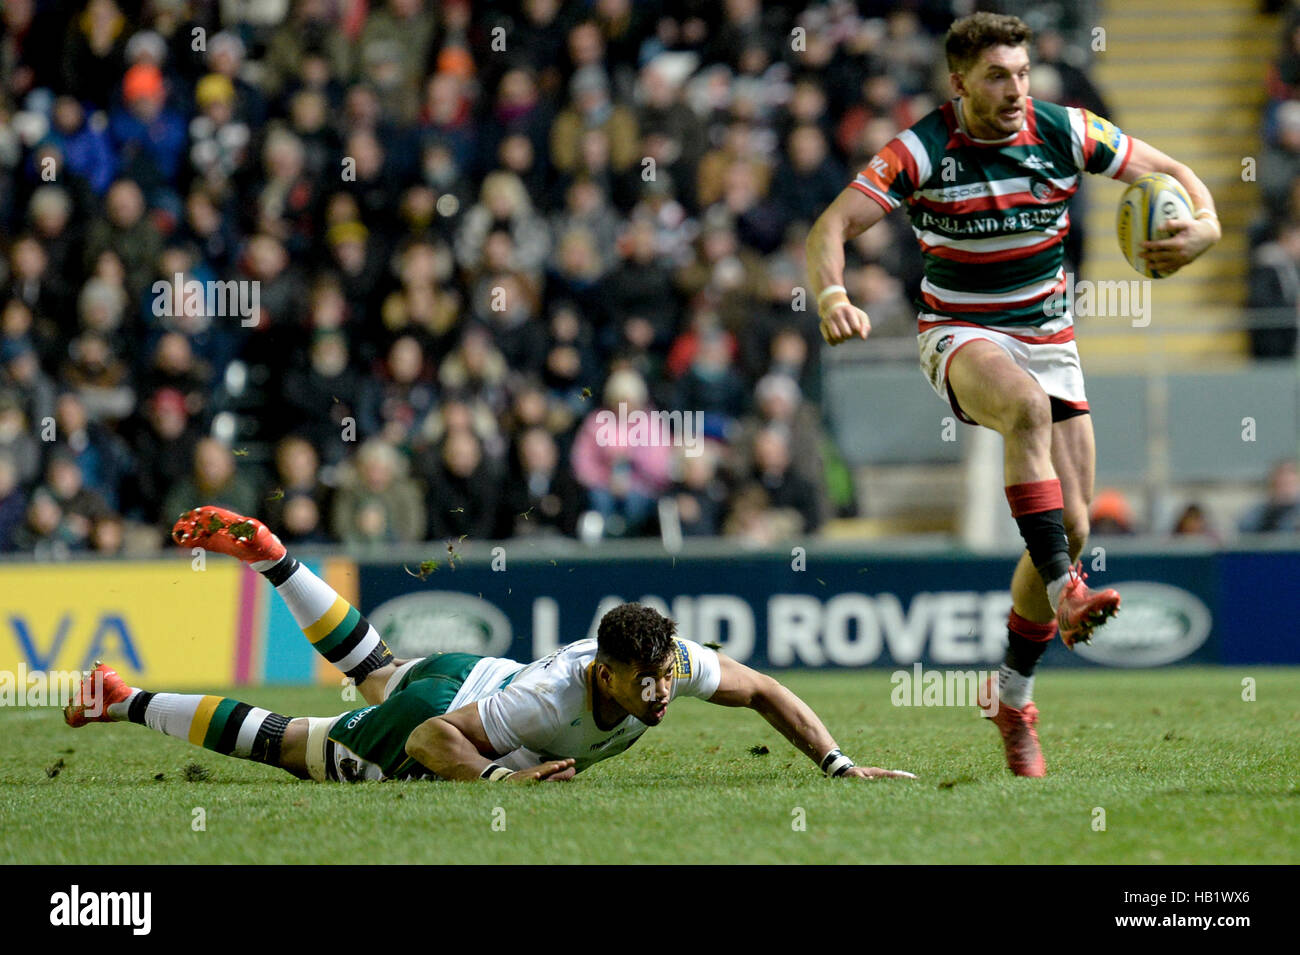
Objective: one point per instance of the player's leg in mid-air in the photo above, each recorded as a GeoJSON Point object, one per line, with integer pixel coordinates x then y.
{"type": "Point", "coordinates": [1048, 471]}
{"type": "Point", "coordinates": [335, 628]}
{"type": "Point", "coordinates": [1073, 459]}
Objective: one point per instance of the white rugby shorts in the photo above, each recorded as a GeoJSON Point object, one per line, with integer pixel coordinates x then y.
{"type": "Point", "coordinates": [1047, 353]}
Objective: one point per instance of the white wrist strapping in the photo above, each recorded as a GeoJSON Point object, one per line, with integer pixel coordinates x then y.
{"type": "Point", "coordinates": [836, 763]}
{"type": "Point", "coordinates": [495, 772]}
{"type": "Point", "coordinates": [830, 290]}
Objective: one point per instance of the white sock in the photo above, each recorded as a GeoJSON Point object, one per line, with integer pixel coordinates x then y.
{"type": "Point", "coordinates": [307, 596]}
{"type": "Point", "coordinates": [1014, 689]}
{"type": "Point", "coordinates": [173, 713]}
{"type": "Point", "coordinates": [120, 711]}
{"type": "Point", "coordinates": [264, 565]}
{"type": "Point", "coordinates": [335, 628]}
{"type": "Point", "coordinates": [1054, 588]}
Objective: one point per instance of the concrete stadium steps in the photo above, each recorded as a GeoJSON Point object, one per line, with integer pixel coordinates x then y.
{"type": "Point", "coordinates": [1168, 82]}
{"type": "Point", "coordinates": [1188, 77]}
{"type": "Point", "coordinates": [1235, 32]}
{"type": "Point", "coordinates": [888, 503]}
{"type": "Point", "coordinates": [1134, 352]}
{"type": "Point", "coordinates": [1161, 8]}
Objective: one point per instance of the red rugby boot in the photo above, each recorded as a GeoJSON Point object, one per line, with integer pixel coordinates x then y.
{"type": "Point", "coordinates": [100, 687]}
{"type": "Point", "coordinates": [1019, 738]}
{"type": "Point", "coordinates": [1081, 610]}
{"type": "Point", "coordinates": [226, 532]}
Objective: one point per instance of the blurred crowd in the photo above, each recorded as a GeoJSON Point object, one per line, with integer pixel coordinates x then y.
{"type": "Point", "coordinates": [472, 228]}
{"type": "Point", "coordinates": [1277, 512]}
{"type": "Point", "coordinates": [1274, 287]}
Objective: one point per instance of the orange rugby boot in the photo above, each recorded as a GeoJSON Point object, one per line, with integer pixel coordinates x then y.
{"type": "Point", "coordinates": [1081, 610]}
{"type": "Point", "coordinates": [100, 687]}
{"type": "Point", "coordinates": [226, 532]}
{"type": "Point", "coordinates": [1019, 738]}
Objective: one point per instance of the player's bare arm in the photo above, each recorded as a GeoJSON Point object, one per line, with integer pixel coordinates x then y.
{"type": "Point", "coordinates": [1191, 237]}
{"type": "Point", "coordinates": [851, 214]}
{"type": "Point", "coordinates": [790, 716]}
{"type": "Point", "coordinates": [455, 746]}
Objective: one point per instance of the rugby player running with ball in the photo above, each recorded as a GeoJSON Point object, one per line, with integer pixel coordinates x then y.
{"type": "Point", "coordinates": [985, 179]}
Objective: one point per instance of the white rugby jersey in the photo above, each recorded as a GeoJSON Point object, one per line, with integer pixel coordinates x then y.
{"type": "Point", "coordinates": [545, 712]}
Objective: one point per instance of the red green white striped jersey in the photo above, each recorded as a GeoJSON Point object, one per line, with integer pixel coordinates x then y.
{"type": "Point", "coordinates": [990, 215]}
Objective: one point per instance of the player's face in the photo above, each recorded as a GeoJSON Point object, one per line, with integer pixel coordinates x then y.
{"type": "Point", "coordinates": [643, 690]}
{"type": "Point", "coordinates": [994, 92]}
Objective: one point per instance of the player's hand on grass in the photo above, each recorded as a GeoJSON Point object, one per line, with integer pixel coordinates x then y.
{"type": "Point", "coordinates": [842, 321]}
{"type": "Point", "coordinates": [554, 771]}
{"type": "Point", "coordinates": [1188, 239]}
{"type": "Point", "coordinates": [874, 772]}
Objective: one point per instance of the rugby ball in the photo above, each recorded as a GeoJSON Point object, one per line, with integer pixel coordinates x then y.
{"type": "Point", "coordinates": [1147, 204]}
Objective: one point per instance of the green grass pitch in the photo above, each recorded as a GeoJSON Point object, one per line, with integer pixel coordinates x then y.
{"type": "Point", "coordinates": [1184, 769]}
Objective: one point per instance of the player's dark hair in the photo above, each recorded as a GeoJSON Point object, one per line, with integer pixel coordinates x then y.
{"type": "Point", "coordinates": [635, 634]}
{"type": "Point", "coordinates": [970, 36]}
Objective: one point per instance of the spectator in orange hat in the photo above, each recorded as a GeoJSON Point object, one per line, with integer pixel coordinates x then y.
{"type": "Point", "coordinates": [148, 137]}
{"type": "Point", "coordinates": [1111, 513]}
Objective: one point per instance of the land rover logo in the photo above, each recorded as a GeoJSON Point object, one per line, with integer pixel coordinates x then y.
{"type": "Point", "coordinates": [1156, 624]}
{"type": "Point", "coordinates": [441, 621]}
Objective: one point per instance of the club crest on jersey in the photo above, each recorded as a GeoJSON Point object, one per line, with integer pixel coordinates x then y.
{"type": "Point", "coordinates": [682, 668]}
{"type": "Point", "coordinates": [1041, 190]}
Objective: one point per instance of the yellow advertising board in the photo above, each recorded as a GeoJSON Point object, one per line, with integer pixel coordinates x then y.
{"type": "Point", "coordinates": [161, 624]}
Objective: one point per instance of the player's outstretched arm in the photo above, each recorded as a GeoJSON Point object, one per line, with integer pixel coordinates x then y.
{"type": "Point", "coordinates": [455, 746]}
{"type": "Point", "coordinates": [851, 214]}
{"type": "Point", "coordinates": [1190, 237]}
{"type": "Point", "coordinates": [792, 717]}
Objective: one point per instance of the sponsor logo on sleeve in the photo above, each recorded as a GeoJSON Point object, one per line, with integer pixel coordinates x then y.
{"type": "Point", "coordinates": [1103, 131]}
{"type": "Point", "coordinates": [682, 670]}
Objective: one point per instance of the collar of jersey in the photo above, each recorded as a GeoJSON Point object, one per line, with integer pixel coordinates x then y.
{"type": "Point", "coordinates": [961, 125]}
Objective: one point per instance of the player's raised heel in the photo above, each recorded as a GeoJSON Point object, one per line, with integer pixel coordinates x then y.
{"type": "Point", "coordinates": [1080, 610]}
{"type": "Point", "coordinates": [1019, 738]}
{"type": "Point", "coordinates": [226, 532]}
{"type": "Point", "coordinates": [98, 689]}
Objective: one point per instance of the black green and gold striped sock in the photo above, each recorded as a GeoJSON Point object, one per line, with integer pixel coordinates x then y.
{"type": "Point", "coordinates": [218, 723]}
{"type": "Point", "coordinates": [335, 628]}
